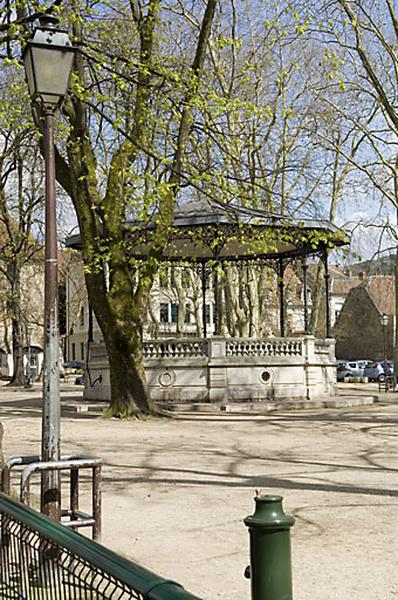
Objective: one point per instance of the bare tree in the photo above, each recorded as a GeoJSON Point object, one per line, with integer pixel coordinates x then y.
{"type": "Point", "coordinates": [20, 201]}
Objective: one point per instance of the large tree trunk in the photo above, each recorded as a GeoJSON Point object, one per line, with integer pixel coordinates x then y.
{"type": "Point", "coordinates": [121, 317]}
{"type": "Point", "coordinates": [129, 389]}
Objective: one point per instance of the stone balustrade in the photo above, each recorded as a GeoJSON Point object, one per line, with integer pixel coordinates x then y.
{"type": "Point", "coordinates": [223, 370]}
{"type": "Point", "coordinates": [234, 347]}
{"type": "Point", "coordinates": [249, 347]}
{"type": "Point", "coordinates": [175, 348]}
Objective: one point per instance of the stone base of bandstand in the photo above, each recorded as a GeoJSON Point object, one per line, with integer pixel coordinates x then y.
{"type": "Point", "coordinates": [232, 374]}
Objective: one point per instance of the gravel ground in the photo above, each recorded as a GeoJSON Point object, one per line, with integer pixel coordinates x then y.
{"type": "Point", "coordinates": [175, 491]}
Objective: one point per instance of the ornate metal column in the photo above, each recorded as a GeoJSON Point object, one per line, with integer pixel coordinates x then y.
{"type": "Point", "coordinates": [327, 293]}
{"type": "Point", "coordinates": [204, 279]}
{"type": "Point", "coordinates": [50, 499]}
{"type": "Point", "coordinates": [281, 286]}
{"type": "Point", "coordinates": [216, 293]}
{"type": "Point", "coordinates": [305, 293]}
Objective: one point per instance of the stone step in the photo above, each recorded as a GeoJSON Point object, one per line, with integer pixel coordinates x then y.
{"type": "Point", "coordinates": [327, 402]}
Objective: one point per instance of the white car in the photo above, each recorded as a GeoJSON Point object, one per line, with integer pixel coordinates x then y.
{"type": "Point", "coordinates": [375, 371]}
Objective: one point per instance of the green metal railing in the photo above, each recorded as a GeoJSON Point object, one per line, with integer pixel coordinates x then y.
{"type": "Point", "coordinates": [43, 560]}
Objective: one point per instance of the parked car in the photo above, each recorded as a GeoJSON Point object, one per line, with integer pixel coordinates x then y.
{"type": "Point", "coordinates": [363, 363]}
{"type": "Point", "coordinates": [352, 368]}
{"type": "Point", "coordinates": [376, 371]}
{"type": "Point", "coordinates": [75, 365]}
{"type": "Point", "coordinates": [80, 380]}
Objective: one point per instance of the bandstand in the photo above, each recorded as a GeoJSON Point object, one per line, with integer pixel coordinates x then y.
{"type": "Point", "coordinates": [220, 369]}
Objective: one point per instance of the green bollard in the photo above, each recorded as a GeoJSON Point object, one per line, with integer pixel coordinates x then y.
{"type": "Point", "coordinates": [270, 557]}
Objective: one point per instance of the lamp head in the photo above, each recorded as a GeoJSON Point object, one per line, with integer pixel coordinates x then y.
{"type": "Point", "coordinates": [48, 58]}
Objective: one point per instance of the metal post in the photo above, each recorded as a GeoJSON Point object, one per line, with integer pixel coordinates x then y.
{"type": "Point", "coordinates": [327, 293]}
{"type": "Point", "coordinates": [385, 368]}
{"type": "Point", "coordinates": [385, 346]}
{"type": "Point", "coordinates": [305, 293]}
{"type": "Point", "coordinates": [281, 286]}
{"type": "Point", "coordinates": [216, 292]}
{"type": "Point", "coordinates": [204, 275]}
{"type": "Point", "coordinates": [270, 556]}
{"type": "Point", "coordinates": [387, 379]}
{"type": "Point", "coordinates": [97, 502]}
{"type": "Point", "coordinates": [74, 492]}
{"type": "Point", "coordinates": [50, 483]}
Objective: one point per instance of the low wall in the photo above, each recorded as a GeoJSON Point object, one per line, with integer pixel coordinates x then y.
{"type": "Point", "coordinates": [225, 370]}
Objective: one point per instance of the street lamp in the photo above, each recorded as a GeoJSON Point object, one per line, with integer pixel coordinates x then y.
{"type": "Point", "coordinates": [48, 58]}
{"type": "Point", "coordinates": [384, 323]}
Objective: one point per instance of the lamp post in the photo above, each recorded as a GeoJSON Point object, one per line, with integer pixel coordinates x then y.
{"type": "Point", "coordinates": [29, 330]}
{"type": "Point", "coordinates": [384, 323]}
{"type": "Point", "coordinates": [48, 58]}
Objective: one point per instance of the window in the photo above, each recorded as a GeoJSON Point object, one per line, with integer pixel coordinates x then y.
{"type": "Point", "coordinates": [82, 350]}
{"type": "Point", "coordinates": [81, 318]}
{"type": "Point", "coordinates": [336, 314]}
{"type": "Point", "coordinates": [164, 313]}
{"type": "Point", "coordinates": [174, 313]}
{"type": "Point", "coordinates": [73, 351]}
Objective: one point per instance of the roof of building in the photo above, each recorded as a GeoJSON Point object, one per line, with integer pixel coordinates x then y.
{"type": "Point", "coordinates": [381, 289]}
{"type": "Point", "coordinates": [342, 285]}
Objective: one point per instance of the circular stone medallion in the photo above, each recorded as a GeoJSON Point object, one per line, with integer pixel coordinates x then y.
{"type": "Point", "coordinates": [265, 376]}
{"type": "Point", "coordinates": [167, 378]}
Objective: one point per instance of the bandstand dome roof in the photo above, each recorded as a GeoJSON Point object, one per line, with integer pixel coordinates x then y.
{"type": "Point", "coordinates": [204, 231]}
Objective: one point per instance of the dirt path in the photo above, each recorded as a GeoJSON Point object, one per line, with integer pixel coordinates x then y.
{"type": "Point", "coordinates": [176, 491]}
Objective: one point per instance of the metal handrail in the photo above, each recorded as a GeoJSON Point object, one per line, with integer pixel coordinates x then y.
{"type": "Point", "coordinates": [142, 582]}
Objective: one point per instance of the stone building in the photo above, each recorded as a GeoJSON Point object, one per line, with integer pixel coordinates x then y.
{"type": "Point", "coordinates": [358, 330]}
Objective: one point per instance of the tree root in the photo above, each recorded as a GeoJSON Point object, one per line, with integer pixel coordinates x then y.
{"type": "Point", "coordinates": [128, 413]}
